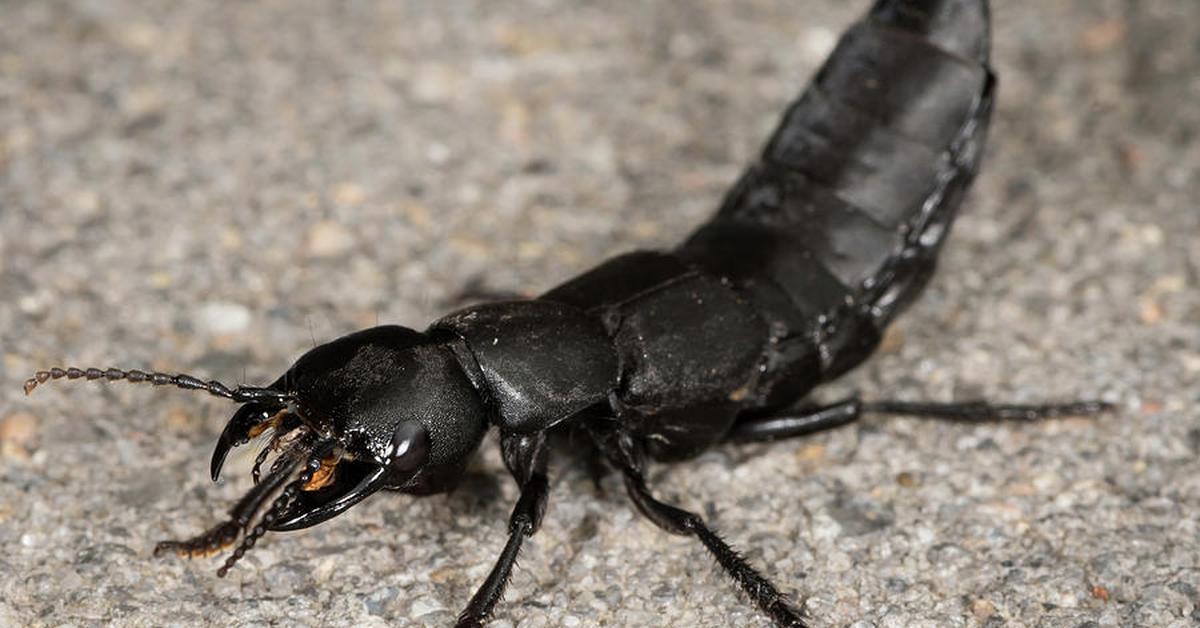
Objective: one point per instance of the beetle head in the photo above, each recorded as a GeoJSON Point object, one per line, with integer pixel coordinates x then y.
{"type": "Point", "coordinates": [386, 407]}
{"type": "Point", "coordinates": [397, 406]}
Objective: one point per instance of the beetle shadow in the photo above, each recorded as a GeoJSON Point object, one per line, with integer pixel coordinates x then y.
{"type": "Point", "coordinates": [479, 491]}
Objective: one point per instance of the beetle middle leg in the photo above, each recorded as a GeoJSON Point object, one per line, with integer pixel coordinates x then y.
{"type": "Point", "coordinates": [792, 423]}
{"type": "Point", "coordinates": [525, 455]}
{"type": "Point", "coordinates": [624, 452]}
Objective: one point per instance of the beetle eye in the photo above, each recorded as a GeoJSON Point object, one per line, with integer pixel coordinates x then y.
{"type": "Point", "coordinates": [410, 446]}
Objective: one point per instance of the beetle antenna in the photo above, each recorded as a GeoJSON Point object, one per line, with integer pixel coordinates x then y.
{"type": "Point", "coordinates": [241, 394]}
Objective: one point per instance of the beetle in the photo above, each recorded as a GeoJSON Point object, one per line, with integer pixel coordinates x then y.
{"type": "Point", "coordinates": [653, 355]}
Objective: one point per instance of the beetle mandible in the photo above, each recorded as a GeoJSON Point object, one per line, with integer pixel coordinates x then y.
{"type": "Point", "coordinates": [654, 355]}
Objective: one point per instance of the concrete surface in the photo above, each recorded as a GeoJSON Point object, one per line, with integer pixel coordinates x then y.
{"type": "Point", "coordinates": [213, 187]}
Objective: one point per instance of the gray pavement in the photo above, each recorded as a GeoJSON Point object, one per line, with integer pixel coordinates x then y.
{"type": "Point", "coordinates": [213, 187]}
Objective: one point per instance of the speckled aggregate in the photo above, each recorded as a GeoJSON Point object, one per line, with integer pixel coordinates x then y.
{"type": "Point", "coordinates": [213, 187]}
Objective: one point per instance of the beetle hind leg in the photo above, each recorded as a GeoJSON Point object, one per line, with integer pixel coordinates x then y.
{"type": "Point", "coordinates": [625, 453]}
{"type": "Point", "coordinates": [801, 422]}
{"type": "Point", "coordinates": [675, 520]}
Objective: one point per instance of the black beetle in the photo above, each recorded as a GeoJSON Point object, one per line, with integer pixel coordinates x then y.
{"type": "Point", "coordinates": [655, 355]}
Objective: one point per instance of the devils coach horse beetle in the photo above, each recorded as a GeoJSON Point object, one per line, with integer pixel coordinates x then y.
{"type": "Point", "coordinates": [655, 355]}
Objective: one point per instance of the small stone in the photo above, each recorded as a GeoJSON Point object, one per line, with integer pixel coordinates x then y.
{"type": "Point", "coordinates": [442, 576]}
{"type": "Point", "coordinates": [32, 305]}
{"type": "Point", "coordinates": [223, 317]}
{"type": "Point", "coordinates": [982, 608]}
{"type": "Point", "coordinates": [348, 193]}
{"type": "Point", "coordinates": [811, 453]}
{"type": "Point", "coordinates": [425, 606]}
{"type": "Point", "coordinates": [140, 36]}
{"type": "Point", "coordinates": [417, 214]}
{"type": "Point", "coordinates": [161, 280]}
{"type": "Point", "coordinates": [328, 239]}
{"type": "Point", "coordinates": [434, 83]}
{"type": "Point", "coordinates": [1103, 35]}
{"type": "Point", "coordinates": [86, 201]}
{"type": "Point", "coordinates": [18, 435]}
{"type": "Point", "coordinates": [180, 419]}
{"type": "Point", "coordinates": [818, 42]}
{"type": "Point", "coordinates": [860, 516]}
{"type": "Point", "coordinates": [437, 153]}
{"type": "Point", "coordinates": [231, 239]}
{"type": "Point", "coordinates": [893, 340]}
{"type": "Point", "coordinates": [1150, 311]}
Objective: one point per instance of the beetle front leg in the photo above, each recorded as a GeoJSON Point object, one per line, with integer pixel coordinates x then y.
{"type": "Point", "coordinates": [525, 455]}
{"type": "Point", "coordinates": [226, 533]}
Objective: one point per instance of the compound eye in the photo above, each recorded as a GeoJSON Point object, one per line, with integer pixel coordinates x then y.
{"type": "Point", "coordinates": [410, 447]}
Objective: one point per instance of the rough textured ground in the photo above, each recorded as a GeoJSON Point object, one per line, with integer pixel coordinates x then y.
{"type": "Point", "coordinates": [214, 186]}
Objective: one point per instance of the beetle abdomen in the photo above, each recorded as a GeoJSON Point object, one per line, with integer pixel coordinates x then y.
{"type": "Point", "coordinates": [690, 353]}
{"type": "Point", "coordinates": [823, 240]}
{"type": "Point", "coordinates": [856, 190]}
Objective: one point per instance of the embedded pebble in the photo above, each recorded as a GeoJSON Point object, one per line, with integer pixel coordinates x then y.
{"type": "Point", "coordinates": [19, 435]}
{"type": "Point", "coordinates": [425, 606]}
{"type": "Point", "coordinates": [222, 317]}
{"type": "Point", "coordinates": [328, 239]}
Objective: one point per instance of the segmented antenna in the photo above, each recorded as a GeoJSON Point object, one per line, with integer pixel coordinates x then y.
{"type": "Point", "coordinates": [241, 394]}
{"type": "Point", "coordinates": [276, 511]}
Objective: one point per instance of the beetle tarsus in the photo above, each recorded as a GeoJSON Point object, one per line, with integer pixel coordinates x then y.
{"type": "Point", "coordinates": [984, 411]}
